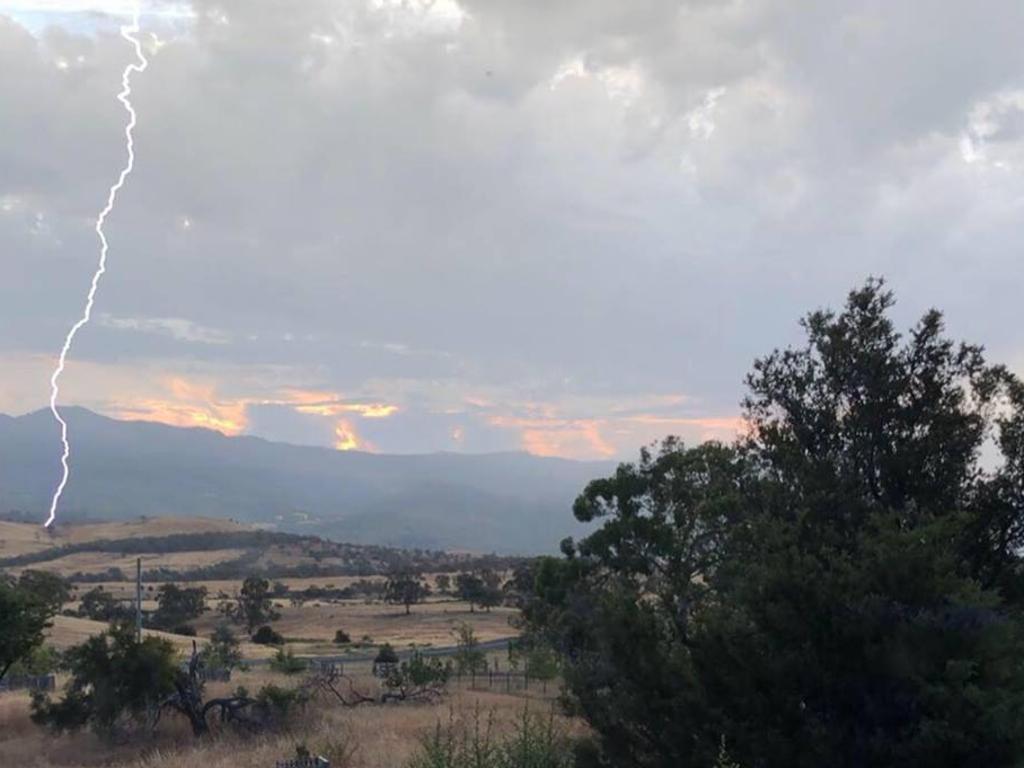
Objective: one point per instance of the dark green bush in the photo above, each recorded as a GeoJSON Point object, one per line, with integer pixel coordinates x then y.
{"type": "Point", "coordinates": [266, 635]}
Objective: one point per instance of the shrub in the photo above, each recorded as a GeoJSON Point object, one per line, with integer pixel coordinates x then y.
{"type": "Point", "coordinates": [223, 651]}
{"type": "Point", "coordinates": [286, 662]}
{"type": "Point", "coordinates": [266, 635]}
{"type": "Point", "coordinates": [341, 637]}
{"type": "Point", "coordinates": [417, 678]}
{"type": "Point", "coordinates": [468, 656]}
{"type": "Point", "coordinates": [115, 682]}
{"type": "Point", "coordinates": [386, 655]}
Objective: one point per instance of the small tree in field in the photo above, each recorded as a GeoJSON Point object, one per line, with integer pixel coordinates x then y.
{"type": "Point", "coordinates": [490, 589]}
{"type": "Point", "coordinates": [468, 656]}
{"type": "Point", "coordinates": [177, 606]}
{"type": "Point", "coordinates": [406, 589]}
{"type": "Point", "coordinates": [224, 650]}
{"type": "Point", "coordinates": [254, 605]}
{"type": "Point", "coordinates": [341, 637]}
{"type": "Point", "coordinates": [469, 587]}
{"type": "Point", "coordinates": [99, 605]}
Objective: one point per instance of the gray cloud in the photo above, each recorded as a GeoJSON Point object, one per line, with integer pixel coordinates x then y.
{"type": "Point", "coordinates": [577, 204]}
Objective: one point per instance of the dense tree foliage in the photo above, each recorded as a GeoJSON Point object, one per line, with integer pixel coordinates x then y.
{"type": "Point", "coordinates": [176, 606]}
{"type": "Point", "coordinates": [27, 606]}
{"type": "Point", "coordinates": [479, 588]}
{"type": "Point", "coordinates": [253, 606]}
{"type": "Point", "coordinates": [99, 605]}
{"type": "Point", "coordinates": [841, 587]}
{"type": "Point", "coordinates": [116, 683]}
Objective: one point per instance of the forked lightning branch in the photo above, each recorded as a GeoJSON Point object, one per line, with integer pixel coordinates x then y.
{"type": "Point", "coordinates": [129, 33]}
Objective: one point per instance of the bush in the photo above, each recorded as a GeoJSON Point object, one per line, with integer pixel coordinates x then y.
{"type": "Point", "coordinates": [417, 678]}
{"type": "Point", "coordinates": [223, 651]}
{"type": "Point", "coordinates": [115, 683]}
{"type": "Point", "coordinates": [286, 662]}
{"type": "Point", "coordinates": [468, 656]}
{"type": "Point", "coordinates": [41, 660]}
{"type": "Point", "coordinates": [341, 637]}
{"type": "Point", "coordinates": [386, 655]}
{"type": "Point", "coordinates": [266, 635]}
{"type": "Point", "coordinates": [184, 629]}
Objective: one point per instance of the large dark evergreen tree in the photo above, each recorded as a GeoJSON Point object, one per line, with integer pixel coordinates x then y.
{"type": "Point", "coordinates": [842, 587]}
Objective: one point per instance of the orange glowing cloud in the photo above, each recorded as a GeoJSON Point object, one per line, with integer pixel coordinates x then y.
{"type": "Point", "coordinates": [544, 433]}
{"type": "Point", "coordinates": [192, 404]}
{"type": "Point", "coordinates": [331, 404]}
{"type": "Point", "coordinates": [549, 436]}
{"type": "Point", "coordinates": [709, 427]}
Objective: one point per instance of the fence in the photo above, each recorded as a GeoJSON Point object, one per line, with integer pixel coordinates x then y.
{"type": "Point", "coordinates": [305, 762]}
{"type": "Point", "coordinates": [28, 682]}
{"type": "Point", "coordinates": [508, 682]}
{"type": "Point", "coordinates": [215, 675]}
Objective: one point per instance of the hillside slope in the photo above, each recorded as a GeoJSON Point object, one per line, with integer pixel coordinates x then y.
{"type": "Point", "coordinates": [508, 502]}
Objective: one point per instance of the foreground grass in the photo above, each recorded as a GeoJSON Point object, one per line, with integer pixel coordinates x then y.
{"type": "Point", "coordinates": [389, 736]}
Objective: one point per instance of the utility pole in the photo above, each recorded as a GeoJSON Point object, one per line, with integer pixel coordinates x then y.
{"type": "Point", "coordinates": [138, 599]}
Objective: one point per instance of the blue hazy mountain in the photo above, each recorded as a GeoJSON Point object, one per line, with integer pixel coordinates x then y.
{"type": "Point", "coordinates": [502, 502]}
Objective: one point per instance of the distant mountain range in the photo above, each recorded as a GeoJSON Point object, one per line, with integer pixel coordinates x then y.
{"type": "Point", "coordinates": [500, 502]}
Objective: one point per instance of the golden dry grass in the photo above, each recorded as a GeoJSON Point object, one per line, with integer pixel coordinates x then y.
{"type": "Point", "coordinates": [97, 562]}
{"type": "Point", "coordinates": [67, 631]}
{"type": "Point", "coordinates": [22, 538]}
{"type": "Point", "coordinates": [310, 628]}
{"type": "Point", "coordinates": [367, 737]}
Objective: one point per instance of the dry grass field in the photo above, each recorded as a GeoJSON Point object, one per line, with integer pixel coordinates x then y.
{"type": "Point", "coordinates": [98, 562]}
{"type": "Point", "coordinates": [367, 737]}
{"type": "Point", "coordinates": [23, 538]}
{"type": "Point", "coordinates": [68, 630]}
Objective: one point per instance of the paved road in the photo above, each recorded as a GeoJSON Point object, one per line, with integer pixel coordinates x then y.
{"type": "Point", "coordinates": [443, 650]}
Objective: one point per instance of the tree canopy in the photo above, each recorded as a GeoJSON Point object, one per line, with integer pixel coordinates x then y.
{"type": "Point", "coordinates": [27, 606]}
{"type": "Point", "coordinates": [178, 605]}
{"type": "Point", "coordinates": [840, 587]}
{"type": "Point", "coordinates": [405, 588]}
{"type": "Point", "coordinates": [116, 681]}
{"type": "Point", "coordinates": [254, 605]}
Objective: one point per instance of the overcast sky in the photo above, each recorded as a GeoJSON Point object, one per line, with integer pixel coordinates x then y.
{"type": "Point", "coordinates": [566, 227]}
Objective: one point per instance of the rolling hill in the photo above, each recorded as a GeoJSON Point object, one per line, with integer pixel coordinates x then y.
{"type": "Point", "coordinates": [502, 502]}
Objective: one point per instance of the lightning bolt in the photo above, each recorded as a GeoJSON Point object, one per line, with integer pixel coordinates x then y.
{"type": "Point", "coordinates": [128, 33]}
